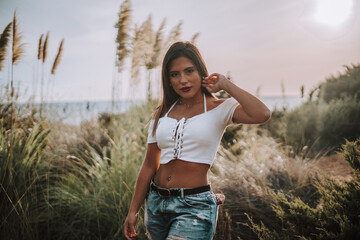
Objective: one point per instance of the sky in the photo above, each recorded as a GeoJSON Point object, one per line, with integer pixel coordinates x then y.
{"type": "Point", "coordinates": [263, 45]}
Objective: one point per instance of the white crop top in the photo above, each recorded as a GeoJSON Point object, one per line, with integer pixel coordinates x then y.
{"type": "Point", "coordinates": [194, 139]}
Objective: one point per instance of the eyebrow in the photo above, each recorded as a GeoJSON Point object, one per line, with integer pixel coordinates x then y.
{"type": "Point", "coordinates": [189, 68]}
{"type": "Point", "coordinates": [184, 69]}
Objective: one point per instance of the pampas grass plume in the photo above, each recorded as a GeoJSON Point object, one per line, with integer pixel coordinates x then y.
{"type": "Point", "coordinates": [17, 47]}
{"type": "Point", "coordinates": [158, 45]}
{"type": "Point", "coordinates": [194, 38]}
{"type": "Point", "coordinates": [4, 40]}
{"type": "Point", "coordinates": [58, 57]}
{"type": "Point", "coordinates": [40, 49]}
{"type": "Point", "coordinates": [122, 38]}
{"type": "Point", "coordinates": [45, 47]}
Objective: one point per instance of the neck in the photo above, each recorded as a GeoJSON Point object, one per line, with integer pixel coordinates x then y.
{"type": "Point", "coordinates": [191, 101]}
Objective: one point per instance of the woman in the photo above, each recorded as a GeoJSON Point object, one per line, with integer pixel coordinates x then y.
{"type": "Point", "coordinates": [184, 135]}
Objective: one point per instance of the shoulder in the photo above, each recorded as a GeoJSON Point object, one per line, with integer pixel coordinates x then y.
{"type": "Point", "coordinates": [158, 111]}
{"type": "Point", "coordinates": [217, 103]}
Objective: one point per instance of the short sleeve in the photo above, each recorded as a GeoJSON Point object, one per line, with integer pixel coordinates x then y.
{"type": "Point", "coordinates": [228, 109]}
{"type": "Point", "coordinates": [151, 139]}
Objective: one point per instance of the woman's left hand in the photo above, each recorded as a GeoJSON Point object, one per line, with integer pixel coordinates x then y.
{"type": "Point", "coordinates": [214, 82]}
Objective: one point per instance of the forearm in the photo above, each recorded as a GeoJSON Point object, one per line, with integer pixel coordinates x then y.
{"type": "Point", "coordinates": [141, 188]}
{"type": "Point", "coordinates": [253, 106]}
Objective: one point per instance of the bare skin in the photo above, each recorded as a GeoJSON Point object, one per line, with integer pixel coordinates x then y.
{"type": "Point", "coordinates": [181, 174]}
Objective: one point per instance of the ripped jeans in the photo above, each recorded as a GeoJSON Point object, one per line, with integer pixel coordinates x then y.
{"type": "Point", "coordinates": [189, 217]}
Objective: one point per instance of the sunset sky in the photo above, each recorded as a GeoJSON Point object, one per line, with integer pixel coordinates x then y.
{"type": "Point", "coordinates": [260, 43]}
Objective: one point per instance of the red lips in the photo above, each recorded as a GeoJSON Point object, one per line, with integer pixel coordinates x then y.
{"type": "Point", "coordinates": [185, 89]}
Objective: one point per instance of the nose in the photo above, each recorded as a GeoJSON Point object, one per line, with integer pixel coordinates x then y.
{"type": "Point", "coordinates": [183, 79]}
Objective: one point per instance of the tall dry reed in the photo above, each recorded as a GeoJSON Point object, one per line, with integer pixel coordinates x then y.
{"type": "Point", "coordinates": [136, 55]}
{"type": "Point", "coordinates": [158, 45]}
{"type": "Point", "coordinates": [40, 48]}
{"type": "Point", "coordinates": [174, 34]}
{"type": "Point", "coordinates": [44, 56]}
{"type": "Point", "coordinates": [45, 48]}
{"type": "Point", "coordinates": [57, 58]}
{"type": "Point", "coordinates": [194, 38]}
{"type": "Point", "coordinates": [17, 46]}
{"type": "Point", "coordinates": [123, 34]}
{"type": "Point", "coordinates": [4, 40]}
{"type": "Point", "coordinates": [39, 59]}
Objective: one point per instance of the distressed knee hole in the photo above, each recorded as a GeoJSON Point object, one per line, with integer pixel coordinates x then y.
{"type": "Point", "coordinates": [176, 237]}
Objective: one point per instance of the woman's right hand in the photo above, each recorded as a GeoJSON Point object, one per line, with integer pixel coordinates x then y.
{"type": "Point", "coordinates": [129, 225]}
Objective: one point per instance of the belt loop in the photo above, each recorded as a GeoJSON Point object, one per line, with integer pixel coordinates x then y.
{"type": "Point", "coordinates": [151, 183]}
{"type": "Point", "coordinates": [182, 193]}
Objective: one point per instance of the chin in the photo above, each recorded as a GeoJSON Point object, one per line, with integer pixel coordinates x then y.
{"type": "Point", "coordinates": [187, 95]}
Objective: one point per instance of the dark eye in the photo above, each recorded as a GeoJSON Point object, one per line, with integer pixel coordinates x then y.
{"type": "Point", "coordinates": [173, 74]}
{"type": "Point", "coordinates": [190, 71]}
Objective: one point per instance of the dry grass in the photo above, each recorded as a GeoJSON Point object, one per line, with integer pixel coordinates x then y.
{"type": "Point", "coordinates": [4, 40]}
{"type": "Point", "coordinates": [255, 167]}
{"type": "Point", "coordinates": [335, 167]}
{"type": "Point", "coordinates": [57, 58]}
{"type": "Point", "coordinates": [17, 46]}
{"type": "Point", "coordinates": [40, 48]}
{"type": "Point", "coordinates": [45, 46]}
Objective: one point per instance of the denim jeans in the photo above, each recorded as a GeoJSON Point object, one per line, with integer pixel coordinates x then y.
{"type": "Point", "coordinates": [190, 217]}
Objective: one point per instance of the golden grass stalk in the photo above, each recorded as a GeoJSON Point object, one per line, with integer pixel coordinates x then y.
{"type": "Point", "coordinates": [155, 58]}
{"type": "Point", "coordinates": [147, 36]}
{"type": "Point", "coordinates": [58, 57]}
{"type": "Point", "coordinates": [17, 47]}
{"type": "Point", "coordinates": [136, 55]}
{"type": "Point", "coordinates": [174, 34]}
{"type": "Point", "coordinates": [45, 47]}
{"type": "Point", "coordinates": [40, 49]}
{"type": "Point", "coordinates": [122, 38]}
{"type": "Point", "coordinates": [4, 40]}
{"type": "Point", "coordinates": [194, 38]}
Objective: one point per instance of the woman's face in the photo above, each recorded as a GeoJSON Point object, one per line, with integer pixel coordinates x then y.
{"type": "Point", "coordinates": [185, 78]}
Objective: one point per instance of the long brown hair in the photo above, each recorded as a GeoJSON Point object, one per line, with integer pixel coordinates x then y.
{"type": "Point", "coordinates": [178, 49]}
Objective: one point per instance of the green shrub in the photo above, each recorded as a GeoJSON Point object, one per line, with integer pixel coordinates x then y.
{"type": "Point", "coordinates": [344, 85]}
{"type": "Point", "coordinates": [335, 217]}
{"type": "Point", "coordinates": [322, 124]}
{"type": "Point", "coordinates": [276, 125]}
{"type": "Point", "coordinates": [340, 120]}
{"type": "Point", "coordinates": [323, 127]}
{"type": "Point", "coordinates": [301, 127]}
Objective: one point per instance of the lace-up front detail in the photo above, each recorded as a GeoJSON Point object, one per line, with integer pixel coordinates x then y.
{"type": "Point", "coordinates": [178, 137]}
{"type": "Point", "coordinates": [177, 133]}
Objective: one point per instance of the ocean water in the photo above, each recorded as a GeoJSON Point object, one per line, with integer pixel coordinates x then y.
{"type": "Point", "coordinates": [75, 112]}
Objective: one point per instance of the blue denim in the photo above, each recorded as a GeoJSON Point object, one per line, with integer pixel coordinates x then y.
{"type": "Point", "coordinates": [189, 217]}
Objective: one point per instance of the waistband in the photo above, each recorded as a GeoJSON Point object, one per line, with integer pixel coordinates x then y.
{"type": "Point", "coordinates": [168, 192]}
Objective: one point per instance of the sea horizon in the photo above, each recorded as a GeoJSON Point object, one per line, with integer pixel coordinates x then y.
{"type": "Point", "coordinates": [74, 112]}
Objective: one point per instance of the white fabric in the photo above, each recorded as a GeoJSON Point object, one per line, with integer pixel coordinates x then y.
{"type": "Point", "coordinates": [194, 139]}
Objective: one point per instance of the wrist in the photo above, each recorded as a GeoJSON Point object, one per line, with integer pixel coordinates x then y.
{"type": "Point", "coordinates": [227, 85]}
{"type": "Point", "coordinates": [133, 212]}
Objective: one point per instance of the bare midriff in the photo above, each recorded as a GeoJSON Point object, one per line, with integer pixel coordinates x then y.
{"type": "Point", "coordinates": [181, 174]}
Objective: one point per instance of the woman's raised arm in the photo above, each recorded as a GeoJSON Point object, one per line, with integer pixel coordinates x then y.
{"type": "Point", "coordinates": [251, 109]}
